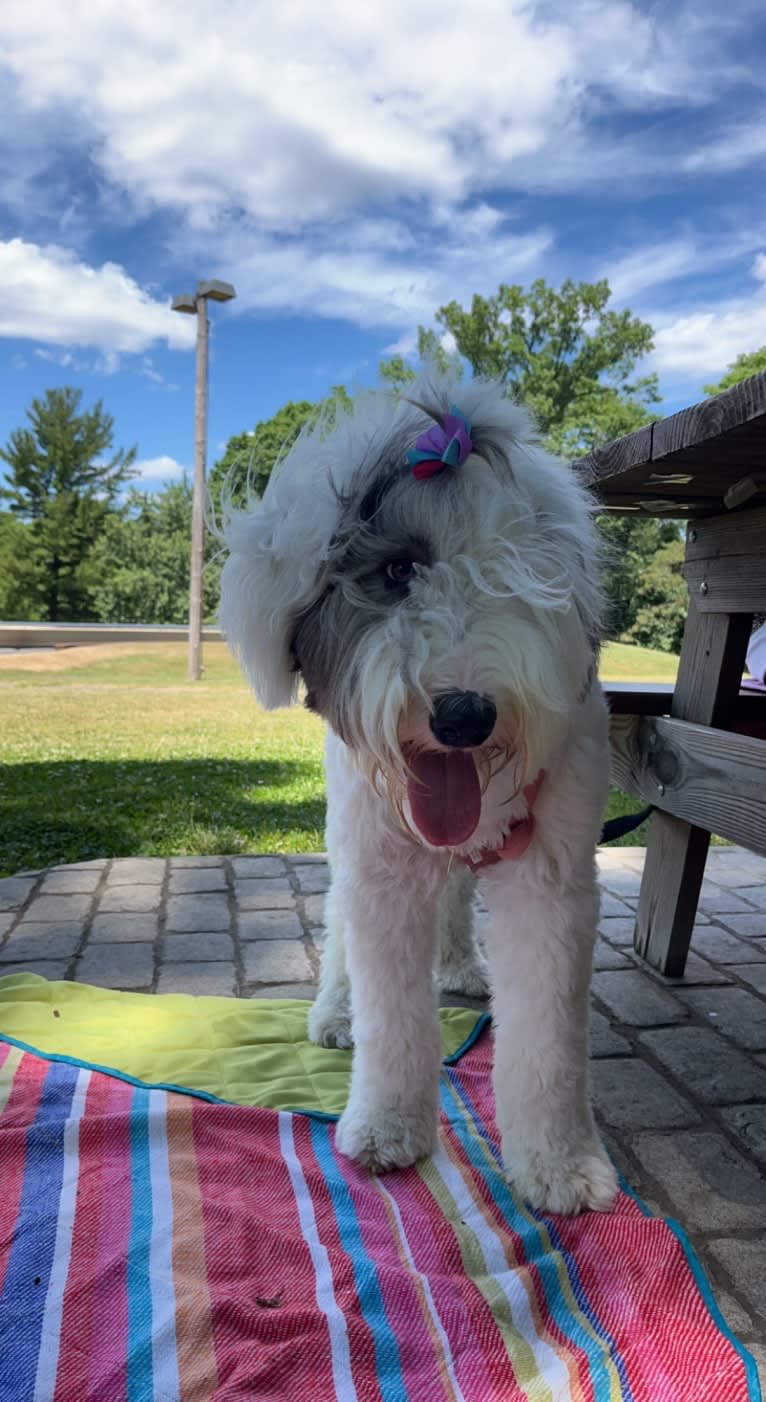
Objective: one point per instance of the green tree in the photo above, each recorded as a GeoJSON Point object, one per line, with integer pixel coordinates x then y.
{"type": "Point", "coordinates": [747, 364]}
{"type": "Point", "coordinates": [21, 593]}
{"type": "Point", "coordinates": [630, 545]}
{"type": "Point", "coordinates": [573, 361]}
{"type": "Point", "coordinates": [140, 563]}
{"type": "Point", "coordinates": [565, 354]}
{"type": "Point", "coordinates": [63, 481]}
{"type": "Point", "coordinates": [397, 372]}
{"type": "Point", "coordinates": [249, 457]}
{"type": "Point", "coordinates": [661, 600]}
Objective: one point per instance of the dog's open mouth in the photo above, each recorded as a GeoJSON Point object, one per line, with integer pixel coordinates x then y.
{"type": "Point", "coordinates": [445, 796]}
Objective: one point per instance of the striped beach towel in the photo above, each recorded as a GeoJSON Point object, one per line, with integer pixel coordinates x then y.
{"type": "Point", "coordinates": [154, 1245]}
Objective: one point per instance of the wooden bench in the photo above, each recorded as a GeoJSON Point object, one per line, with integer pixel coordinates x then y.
{"type": "Point", "coordinates": [696, 750]}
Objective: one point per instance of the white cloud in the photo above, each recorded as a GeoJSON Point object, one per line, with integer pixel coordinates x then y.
{"type": "Point", "coordinates": [293, 113]}
{"type": "Point", "coordinates": [346, 160]}
{"type": "Point", "coordinates": [650, 266]}
{"type": "Point", "coordinates": [705, 341]}
{"type": "Point", "coordinates": [344, 270]}
{"type": "Point", "coordinates": [49, 296]}
{"type": "Point", "coordinates": [737, 147]}
{"type": "Point", "coordinates": [682, 255]}
{"type": "Point", "coordinates": [160, 469]}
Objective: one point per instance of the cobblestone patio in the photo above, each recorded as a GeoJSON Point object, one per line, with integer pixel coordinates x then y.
{"type": "Point", "coordinates": [679, 1066]}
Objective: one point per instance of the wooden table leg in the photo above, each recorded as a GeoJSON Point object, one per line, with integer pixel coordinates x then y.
{"type": "Point", "coordinates": [709, 673]}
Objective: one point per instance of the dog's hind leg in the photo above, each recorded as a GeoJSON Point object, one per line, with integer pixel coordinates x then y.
{"type": "Point", "coordinates": [462, 966]}
{"type": "Point", "coordinates": [329, 1020]}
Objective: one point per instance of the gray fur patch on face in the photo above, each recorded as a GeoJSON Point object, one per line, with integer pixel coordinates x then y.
{"type": "Point", "coordinates": [392, 529]}
{"type": "Point", "coordinates": [385, 539]}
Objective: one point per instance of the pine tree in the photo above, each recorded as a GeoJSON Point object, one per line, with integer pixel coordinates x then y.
{"type": "Point", "coordinates": [63, 481]}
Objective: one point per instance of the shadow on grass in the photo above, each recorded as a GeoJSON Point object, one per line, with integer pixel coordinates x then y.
{"type": "Point", "coordinates": [76, 810]}
{"type": "Point", "coordinates": [73, 811]}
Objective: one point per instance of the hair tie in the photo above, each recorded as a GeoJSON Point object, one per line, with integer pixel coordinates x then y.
{"type": "Point", "coordinates": [446, 444]}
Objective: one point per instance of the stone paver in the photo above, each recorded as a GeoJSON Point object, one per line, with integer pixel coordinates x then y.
{"type": "Point", "coordinates": [717, 944]}
{"type": "Point", "coordinates": [720, 1189]}
{"type": "Point", "coordinates": [129, 900]}
{"type": "Point", "coordinates": [679, 1065]}
{"type": "Point", "coordinates": [198, 912]}
{"type": "Point", "coordinates": [14, 891]}
{"type": "Point", "coordinates": [216, 978]}
{"type": "Point", "coordinates": [67, 883]}
{"type": "Point", "coordinates": [756, 895]}
{"type": "Point", "coordinates": [58, 909]}
{"type": "Point", "coordinates": [117, 965]}
{"type": "Point", "coordinates": [197, 879]}
{"type": "Point", "coordinates": [754, 975]}
{"type": "Point", "coordinates": [622, 882]}
{"type": "Point", "coordinates": [752, 926]}
{"type": "Point", "coordinates": [202, 945]}
{"type": "Point", "coordinates": [604, 1041]}
{"type": "Point", "coordinates": [732, 1011]}
{"type": "Point", "coordinates": [633, 998]}
{"type": "Point", "coordinates": [748, 1122]}
{"type": "Point", "coordinates": [698, 970]}
{"type": "Point", "coordinates": [313, 880]}
{"type": "Point", "coordinates": [286, 990]}
{"type": "Point", "coordinates": [735, 1314]}
{"type": "Point", "coordinates": [269, 925]}
{"type": "Point", "coordinates": [722, 900]}
{"type": "Point", "coordinates": [744, 1263]}
{"type": "Point", "coordinates": [32, 941]}
{"type": "Point", "coordinates": [605, 957]}
{"type": "Point", "coordinates": [137, 871]}
{"type": "Point", "coordinates": [314, 909]}
{"type": "Point", "coordinates": [268, 899]}
{"type": "Point", "coordinates": [276, 961]}
{"type": "Point", "coordinates": [50, 969]}
{"type": "Point", "coordinates": [703, 1063]}
{"type": "Point", "coordinates": [618, 929]}
{"type": "Point", "coordinates": [612, 907]}
{"type": "Point", "coordinates": [258, 866]}
{"type": "Point", "coordinates": [268, 893]}
{"type": "Point", "coordinates": [123, 928]}
{"type": "Point", "coordinates": [629, 1095]}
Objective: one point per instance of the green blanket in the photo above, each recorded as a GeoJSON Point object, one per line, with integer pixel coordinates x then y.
{"type": "Point", "coordinates": [252, 1052]}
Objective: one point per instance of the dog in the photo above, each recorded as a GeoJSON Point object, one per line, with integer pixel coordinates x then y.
{"type": "Point", "coordinates": [427, 577]}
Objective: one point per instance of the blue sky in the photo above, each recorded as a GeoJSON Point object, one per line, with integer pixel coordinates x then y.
{"type": "Point", "coordinates": [350, 167]}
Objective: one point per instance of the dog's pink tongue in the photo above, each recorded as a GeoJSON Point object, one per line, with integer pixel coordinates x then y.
{"type": "Point", "coordinates": [445, 796]}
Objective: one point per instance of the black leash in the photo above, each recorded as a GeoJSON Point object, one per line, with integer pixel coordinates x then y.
{"type": "Point", "coordinates": [618, 827]}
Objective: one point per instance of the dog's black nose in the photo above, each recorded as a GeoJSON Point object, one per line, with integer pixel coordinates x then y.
{"type": "Point", "coordinates": [463, 719]}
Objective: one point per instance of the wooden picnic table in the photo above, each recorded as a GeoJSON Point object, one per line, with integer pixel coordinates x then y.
{"type": "Point", "coordinates": [706, 464]}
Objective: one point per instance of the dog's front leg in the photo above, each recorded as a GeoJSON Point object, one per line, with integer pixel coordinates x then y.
{"type": "Point", "coordinates": [390, 922]}
{"type": "Point", "coordinates": [540, 962]}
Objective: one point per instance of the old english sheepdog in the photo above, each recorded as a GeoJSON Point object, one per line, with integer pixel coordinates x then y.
{"type": "Point", "coordinates": [427, 577]}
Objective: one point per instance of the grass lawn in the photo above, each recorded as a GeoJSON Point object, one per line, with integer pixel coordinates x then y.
{"type": "Point", "coordinates": [109, 751]}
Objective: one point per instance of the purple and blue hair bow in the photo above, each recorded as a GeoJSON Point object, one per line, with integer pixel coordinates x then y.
{"type": "Point", "coordinates": [445, 444]}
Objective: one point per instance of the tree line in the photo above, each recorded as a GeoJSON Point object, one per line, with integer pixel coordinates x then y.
{"type": "Point", "coordinates": [80, 541]}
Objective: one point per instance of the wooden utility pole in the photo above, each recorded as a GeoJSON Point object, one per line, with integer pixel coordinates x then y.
{"type": "Point", "coordinates": [198, 497]}
{"type": "Point", "coordinates": [190, 303]}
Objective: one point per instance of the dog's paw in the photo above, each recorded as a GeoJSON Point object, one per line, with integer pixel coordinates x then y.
{"type": "Point", "coordinates": [468, 976]}
{"type": "Point", "coordinates": [329, 1025]}
{"type": "Point", "coordinates": [386, 1140]}
{"type": "Point", "coordinates": [564, 1181]}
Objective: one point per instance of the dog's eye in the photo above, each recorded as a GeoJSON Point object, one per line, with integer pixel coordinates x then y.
{"type": "Point", "coordinates": [397, 573]}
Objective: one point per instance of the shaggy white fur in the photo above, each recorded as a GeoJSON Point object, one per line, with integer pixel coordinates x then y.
{"type": "Point", "coordinates": [390, 598]}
